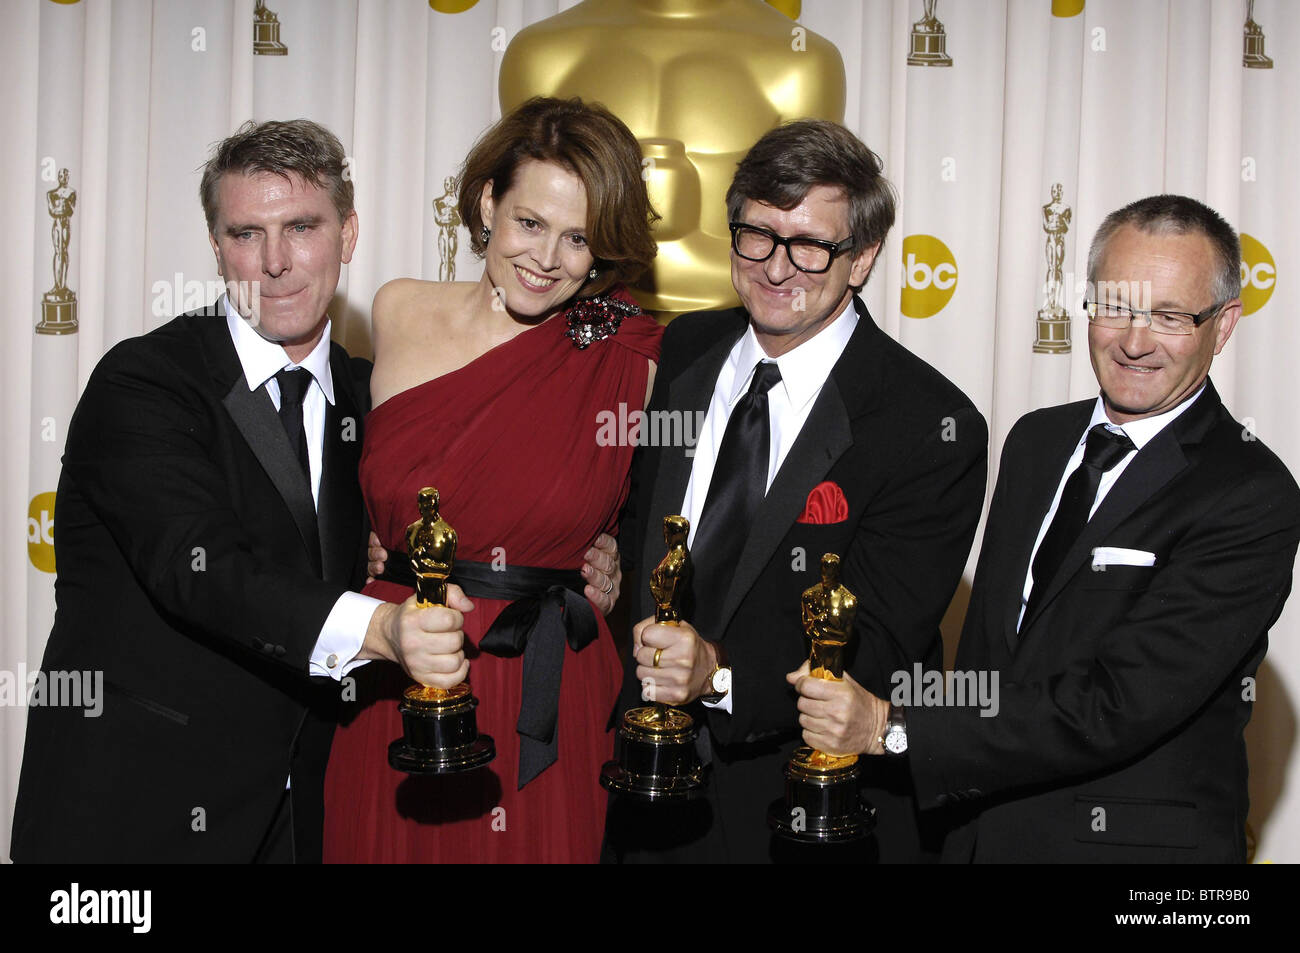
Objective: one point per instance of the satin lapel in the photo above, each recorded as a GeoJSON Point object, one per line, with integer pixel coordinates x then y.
{"type": "Point", "coordinates": [340, 507]}
{"type": "Point", "coordinates": [824, 438]}
{"type": "Point", "coordinates": [1041, 476]}
{"type": "Point", "coordinates": [255, 417]}
{"type": "Point", "coordinates": [688, 393]}
{"type": "Point", "coordinates": [1154, 466]}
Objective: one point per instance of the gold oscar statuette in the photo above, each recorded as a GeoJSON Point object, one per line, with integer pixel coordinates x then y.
{"type": "Point", "coordinates": [1053, 319]}
{"type": "Point", "coordinates": [929, 40]}
{"type": "Point", "coordinates": [266, 32]}
{"type": "Point", "coordinates": [59, 304]}
{"type": "Point", "coordinates": [439, 730]}
{"type": "Point", "coordinates": [822, 804]}
{"type": "Point", "coordinates": [447, 219]}
{"type": "Point", "coordinates": [658, 760]}
{"type": "Point", "coordinates": [1252, 55]}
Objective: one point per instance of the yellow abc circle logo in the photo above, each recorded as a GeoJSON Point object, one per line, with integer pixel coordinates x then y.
{"type": "Point", "coordinates": [1258, 274]}
{"type": "Point", "coordinates": [40, 531]}
{"type": "Point", "coordinates": [451, 6]}
{"type": "Point", "coordinates": [929, 276]}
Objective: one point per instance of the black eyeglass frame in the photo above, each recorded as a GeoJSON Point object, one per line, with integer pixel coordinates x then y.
{"type": "Point", "coordinates": [1090, 309]}
{"type": "Point", "coordinates": [834, 248]}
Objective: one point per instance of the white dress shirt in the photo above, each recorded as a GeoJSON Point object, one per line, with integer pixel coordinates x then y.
{"type": "Point", "coordinates": [804, 370]}
{"type": "Point", "coordinates": [1141, 432]}
{"type": "Point", "coordinates": [345, 628]}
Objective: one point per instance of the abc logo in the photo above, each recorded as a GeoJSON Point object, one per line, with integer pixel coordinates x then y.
{"type": "Point", "coordinates": [40, 531]}
{"type": "Point", "coordinates": [1258, 274]}
{"type": "Point", "coordinates": [929, 276]}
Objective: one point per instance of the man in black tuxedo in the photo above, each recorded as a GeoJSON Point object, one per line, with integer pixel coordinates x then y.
{"type": "Point", "coordinates": [821, 434]}
{"type": "Point", "coordinates": [1138, 549]}
{"type": "Point", "coordinates": [210, 531]}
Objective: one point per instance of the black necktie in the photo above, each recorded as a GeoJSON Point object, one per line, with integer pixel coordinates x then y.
{"type": "Point", "coordinates": [293, 388]}
{"type": "Point", "coordinates": [1104, 449]}
{"type": "Point", "coordinates": [737, 488]}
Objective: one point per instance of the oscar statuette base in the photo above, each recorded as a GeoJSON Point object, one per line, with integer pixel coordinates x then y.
{"type": "Point", "coordinates": [1053, 332]}
{"type": "Point", "coordinates": [58, 314]}
{"type": "Point", "coordinates": [822, 804]}
{"type": "Point", "coordinates": [439, 733]}
{"type": "Point", "coordinates": [658, 760]}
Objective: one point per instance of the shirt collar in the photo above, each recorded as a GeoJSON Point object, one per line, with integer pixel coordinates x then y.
{"type": "Point", "coordinates": [1143, 431]}
{"type": "Point", "coordinates": [804, 369]}
{"type": "Point", "coordinates": [261, 359]}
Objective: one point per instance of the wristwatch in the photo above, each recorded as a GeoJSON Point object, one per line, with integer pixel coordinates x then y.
{"type": "Point", "coordinates": [894, 740]}
{"type": "Point", "coordinates": [720, 680]}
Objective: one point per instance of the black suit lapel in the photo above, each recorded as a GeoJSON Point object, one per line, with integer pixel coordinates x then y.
{"type": "Point", "coordinates": [1155, 465]}
{"type": "Point", "coordinates": [340, 506]}
{"type": "Point", "coordinates": [824, 438]}
{"type": "Point", "coordinates": [1048, 456]}
{"type": "Point", "coordinates": [254, 416]}
{"type": "Point", "coordinates": [689, 392]}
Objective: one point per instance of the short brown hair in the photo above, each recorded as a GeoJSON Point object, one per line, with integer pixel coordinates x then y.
{"type": "Point", "coordinates": [789, 160]}
{"type": "Point", "coordinates": [299, 146]}
{"type": "Point", "coordinates": [592, 143]}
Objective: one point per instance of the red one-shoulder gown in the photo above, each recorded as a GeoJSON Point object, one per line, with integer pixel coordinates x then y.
{"type": "Point", "coordinates": [514, 444]}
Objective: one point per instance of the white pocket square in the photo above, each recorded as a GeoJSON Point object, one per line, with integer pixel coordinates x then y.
{"type": "Point", "coordinates": [1104, 556]}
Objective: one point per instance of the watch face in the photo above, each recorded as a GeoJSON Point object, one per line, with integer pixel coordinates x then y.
{"type": "Point", "coordinates": [722, 681]}
{"type": "Point", "coordinates": [896, 742]}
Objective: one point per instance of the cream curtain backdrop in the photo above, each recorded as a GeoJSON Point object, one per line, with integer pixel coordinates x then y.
{"type": "Point", "coordinates": [1109, 99]}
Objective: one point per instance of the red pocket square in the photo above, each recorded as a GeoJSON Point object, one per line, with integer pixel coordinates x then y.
{"type": "Point", "coordinates": [826, 504]}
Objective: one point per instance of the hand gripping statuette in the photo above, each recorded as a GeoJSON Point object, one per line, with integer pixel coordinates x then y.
{"type": "Point", "coordinates": [821, 803]}
{"type": "Point", "coordinates": [439, 730]}
{"type": "Point", "coordinates": [658, 760]}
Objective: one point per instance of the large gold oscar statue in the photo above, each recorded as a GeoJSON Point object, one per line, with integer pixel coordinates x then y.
{"type": "Point", "coordinates": [697, 82]}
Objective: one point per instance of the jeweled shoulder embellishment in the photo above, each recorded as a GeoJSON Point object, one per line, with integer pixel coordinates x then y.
{"type": "Point", "coordinates": [594, 319]}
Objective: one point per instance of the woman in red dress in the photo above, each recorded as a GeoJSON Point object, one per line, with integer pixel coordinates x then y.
{"type": "Point", "coordinates": [498, 393]}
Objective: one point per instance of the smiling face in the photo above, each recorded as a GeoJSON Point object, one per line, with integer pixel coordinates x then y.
{"type": "Point", "coordinates": [281, 236]}
{"type": "Point", "coordinates": [1141, 373]}
{"type": "Point", "coordinates": [787, 306]}
{"type": "Point", "coordinates": [538, 254]}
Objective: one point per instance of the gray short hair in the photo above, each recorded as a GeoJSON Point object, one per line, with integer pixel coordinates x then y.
{"type": "Point", "coordinates": [1176, 215]}
{"type": "Point", "coordinates": [299, 146]}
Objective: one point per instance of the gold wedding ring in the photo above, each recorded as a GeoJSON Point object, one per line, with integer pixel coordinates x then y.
{"type": "Point", "coordinates": [658, 653]}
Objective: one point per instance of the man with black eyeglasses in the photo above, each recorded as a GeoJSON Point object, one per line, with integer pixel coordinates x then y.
{"type": "Point", "coordinates": [1138, 549]}
{"type": "Point", "coordinates": [821, 434]}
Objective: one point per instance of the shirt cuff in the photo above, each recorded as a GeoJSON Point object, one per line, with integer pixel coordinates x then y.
{"type": "Point", "coordinates": [723, 704]}
{"type": "Point", "coordinates": [342, 636]}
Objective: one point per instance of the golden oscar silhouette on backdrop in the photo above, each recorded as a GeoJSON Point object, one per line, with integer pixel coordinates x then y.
{"type": "Point", "coordinates": [822, 804]}
{"type": "Point", "coordinates": [1053, 318]}
{"type": "Point", "coordinates": [266, 32]}
{"type": "Point", "coordinates": [439, 730]}
{"type": "Point", "coordinates": [59, 304]}
{"type": "Point", "coordinates": [697, 82]}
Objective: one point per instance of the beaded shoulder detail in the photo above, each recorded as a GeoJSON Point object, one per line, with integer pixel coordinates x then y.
{"type": "Point", "coordinates": [594, 319]}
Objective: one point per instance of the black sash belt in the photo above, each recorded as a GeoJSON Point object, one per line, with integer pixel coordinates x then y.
{"type": "Point", "coordinates": [548, 609]}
